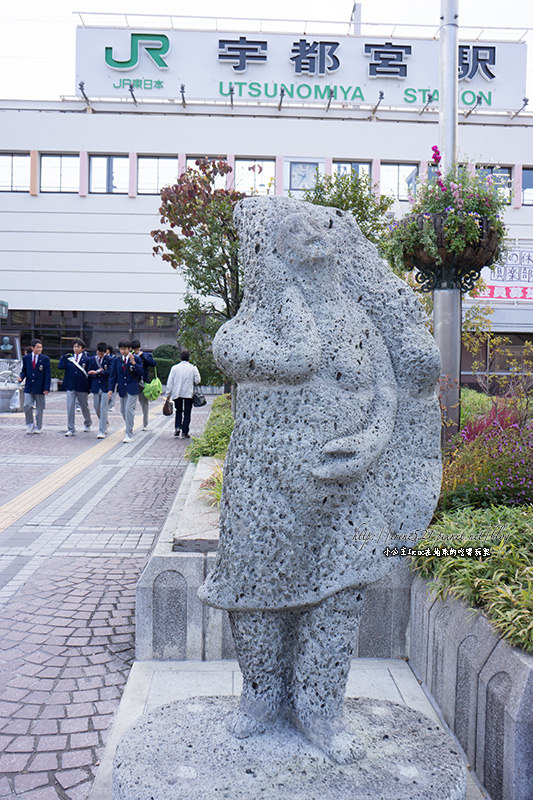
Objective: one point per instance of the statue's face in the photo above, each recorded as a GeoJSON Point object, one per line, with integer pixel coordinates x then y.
{"type": "Point", "coordinates": [304, 242]}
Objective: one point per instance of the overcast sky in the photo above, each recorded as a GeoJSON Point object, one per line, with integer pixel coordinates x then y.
{"type": "Point", "coordinates": [37, 39]}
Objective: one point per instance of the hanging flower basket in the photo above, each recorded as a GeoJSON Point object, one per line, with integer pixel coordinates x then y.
{"type": "Point", "coordinates": [455, 228]}
{"type": "Point", "coordinates": [447, 268]}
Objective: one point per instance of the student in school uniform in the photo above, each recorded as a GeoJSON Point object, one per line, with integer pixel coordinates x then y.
{"type": "Point", "coordinates": [98, 372]}
{"type": "Point", "coordinates": [36, 370]}
{"type": "Point", "coordinates": [147, 362]}
{"type": "Point", "coordinates": [126, 372]}
{"type": "Point", "coordinates": [76, 385]}
{"type": "Point", "coordinates": [111, 403]}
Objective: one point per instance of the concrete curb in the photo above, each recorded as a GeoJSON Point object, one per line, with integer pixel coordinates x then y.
{"type": "Point", "coordinates": [170, 621]}
{"type": "Point", "coordinates": [483, 687]}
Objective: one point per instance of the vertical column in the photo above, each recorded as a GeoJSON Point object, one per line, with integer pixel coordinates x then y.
{"type": "Point", "coordinates": [376, 176]}
{"type": "Point", "coordinates": [230, 177]}
{"type": "Point", "coordinates": [182, 163]}
{"type": "Point", "coordinates": [423, 170]}
{"type": "Point", "coordinates": [328, 166]}
{"type": "Point", "coordinates": [279, 175]}
{"type": "Point", "coordinates": [132, 190]}
{"type": "Point", "coordinates": [448, 81]}
{"type": "Point", "coordinates": [34, 173]}
{"type": "Point", "coordinates": [84, 174]}
{"type": "Point", "coordinates": [447, 316]}
{"type": "Point", "coordinates": [447, 321]}
{"type": "Point", "coordinates": [516, 199]}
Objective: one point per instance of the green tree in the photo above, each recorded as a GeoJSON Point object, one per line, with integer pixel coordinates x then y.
{"type": "Point", "coordinates": [354, 193]}
{"type": "Point", "coordinates": [197, 329]}
{"type": "Point", "coordinates": [200, 240]}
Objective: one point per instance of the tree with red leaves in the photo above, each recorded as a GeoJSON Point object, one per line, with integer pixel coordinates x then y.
{"type": "Point", "coordinates": [200, 240]}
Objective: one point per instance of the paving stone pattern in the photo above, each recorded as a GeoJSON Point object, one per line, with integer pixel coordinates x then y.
{"type": "Point", "coordinates": [68, 571]}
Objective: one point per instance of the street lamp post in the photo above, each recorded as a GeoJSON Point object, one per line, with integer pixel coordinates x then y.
{"type": "Point", "coordinates": [447, 315]}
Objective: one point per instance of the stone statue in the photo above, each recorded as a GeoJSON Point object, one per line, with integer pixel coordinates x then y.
{"type": "Point", "coordinates": [335, 456]}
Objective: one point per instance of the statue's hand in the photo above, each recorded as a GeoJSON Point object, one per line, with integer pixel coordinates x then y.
{"type": "Point", "coordinates": [347, 457]}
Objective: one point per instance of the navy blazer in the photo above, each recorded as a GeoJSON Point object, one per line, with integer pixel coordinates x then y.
{"type": "Point", "coordinates": [75, 379]}
{"type": "Point", "coordinates": [126, 380]}
{"type": "Point", "coordinates": [100, 382]}
{"type": "Point", "coordinates": [147, 362]}
{"type": "Point", "coordinates": [38, 380]}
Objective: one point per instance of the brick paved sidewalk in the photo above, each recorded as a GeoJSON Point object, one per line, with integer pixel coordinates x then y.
{"type": "Point", "coordinates": [68, 569]}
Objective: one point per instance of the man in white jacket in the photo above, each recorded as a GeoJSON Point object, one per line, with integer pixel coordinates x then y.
{"type": "Point", "coordinates": [180, 385]}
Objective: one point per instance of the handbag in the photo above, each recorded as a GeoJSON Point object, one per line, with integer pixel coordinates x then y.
{"type": "Point", "coordinates": [153, 389]}
{"type": "Point", "coordinates": [198, 398]}
{"type": "Point", "coordinates": [167, 408]}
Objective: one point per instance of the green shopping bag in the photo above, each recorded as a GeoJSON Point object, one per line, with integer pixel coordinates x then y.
{"type": "Point", "coordinates": [153, 389]}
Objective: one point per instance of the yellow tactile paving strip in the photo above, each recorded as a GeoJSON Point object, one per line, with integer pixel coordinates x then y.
{"type": "Point", "coordinates": [15, 509]}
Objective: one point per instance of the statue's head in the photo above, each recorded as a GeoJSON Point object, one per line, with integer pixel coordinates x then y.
{"type": "Point", "coordinates": [305, 241]}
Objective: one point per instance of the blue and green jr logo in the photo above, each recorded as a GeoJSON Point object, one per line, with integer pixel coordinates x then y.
{"type": "Point", "coordinates": [155, 45]}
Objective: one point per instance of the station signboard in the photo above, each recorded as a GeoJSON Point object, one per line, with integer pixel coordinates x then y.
{"type": "Point", "coordinates": [261, 68]}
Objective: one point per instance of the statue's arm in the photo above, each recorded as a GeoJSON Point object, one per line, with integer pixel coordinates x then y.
{"type": "Point", "coordinates": [349, 456]}
{"type": "Point", "coordinates": [276, 342]}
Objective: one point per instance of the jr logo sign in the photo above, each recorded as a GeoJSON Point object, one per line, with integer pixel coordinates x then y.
{"type": "Point", "coordinates": [155, 45]}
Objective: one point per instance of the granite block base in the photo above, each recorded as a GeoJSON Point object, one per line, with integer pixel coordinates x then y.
{"type": "Point", "coordinates": [183, 751]}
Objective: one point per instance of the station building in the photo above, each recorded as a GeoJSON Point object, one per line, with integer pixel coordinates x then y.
{"type": "Point", "coordinates": [80, 178]}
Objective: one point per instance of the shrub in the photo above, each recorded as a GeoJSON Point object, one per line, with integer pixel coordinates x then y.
{"type": "Point", "coordinates": [501, 416]}
{"type": "Point", "coordinates": [212, 487]}
{"type": "Point", "coordinates": [499, 584]}
{"type": "Point", "coordinates": [164, 365]}
{"type": "Point", "coordinates": [171, 351]}
{"type": "Point", "coordinates": [55, 372]}
{"type": "Point", "coordinates": [215, 438]}
{"type": "Point", "coordinates": [473, 404]}
{"type": "Point", "coordinates": [496, 467]}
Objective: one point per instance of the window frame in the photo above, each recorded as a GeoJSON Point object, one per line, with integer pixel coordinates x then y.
{"type": "Point", "coordinates": [353, 165]}
{"type": "Point", "coordinates": [529, 188]}
{"type": "Point", "coordinates": [158, 159]}
{"type": "Point", "coordinates": [255, 161]}
{"type": "Point", "coordinates": [12, 156]}
{"type": "Point", "coordinates": [414, 167]}
{"type": "Point", "coordinates": [488, 169]}
{"type": "Point", "coordinates": [60, 156]}
{"type": "Point", "coordinates": [109, 173]}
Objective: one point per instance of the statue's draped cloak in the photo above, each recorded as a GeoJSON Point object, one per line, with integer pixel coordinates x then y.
{"type": "Point", "coordinates": [335, 368]}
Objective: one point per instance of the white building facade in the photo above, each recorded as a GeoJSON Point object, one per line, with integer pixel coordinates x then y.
{"type": "Point", "coordinates": [80, 179]}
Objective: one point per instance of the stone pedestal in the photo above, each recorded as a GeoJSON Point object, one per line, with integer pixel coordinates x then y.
{"type": "Point", "coordinates": [182, 751]}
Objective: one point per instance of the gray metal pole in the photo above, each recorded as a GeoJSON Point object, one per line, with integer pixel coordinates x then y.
{"type": "Point", "coordinates": [447, 332]}
{"type": "Point", "coordinates": [448, 83]}
{"type": "Point", "coordinates": [447, 318]}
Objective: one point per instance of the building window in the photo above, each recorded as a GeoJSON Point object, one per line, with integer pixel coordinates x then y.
{"type": "Point", "coordinates": [527, 186]}
{"type": "Point", "coordinates": [347, 167]}
{"type": "Point", "coordinates": [109, 174]}
{"type": "Point", "coordinates": [14, 172]}
{"type": "Point", "coordinates": [154, 172]}
{"type": "Point", "coordinates": [399, 180]}
{"type": "Point", "coordinates": [255, 176]}
{"type": "Point", "coordinates": [501, 176]}
{"type": "Point", "coordinates": [149, 321]}
{"type": "Point", "coordinates": [60, 173]}
{"type": "Point", "coordinates": [220, 180]}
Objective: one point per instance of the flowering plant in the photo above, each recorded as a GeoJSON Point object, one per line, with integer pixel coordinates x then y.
{"type": "Point", "coordinates": [451, 213]}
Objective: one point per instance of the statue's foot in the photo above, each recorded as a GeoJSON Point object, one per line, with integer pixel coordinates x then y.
{"type": "Point", "coordinates": [242, 724]}
{"type": "Point", "coordinates": [334, 740]}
